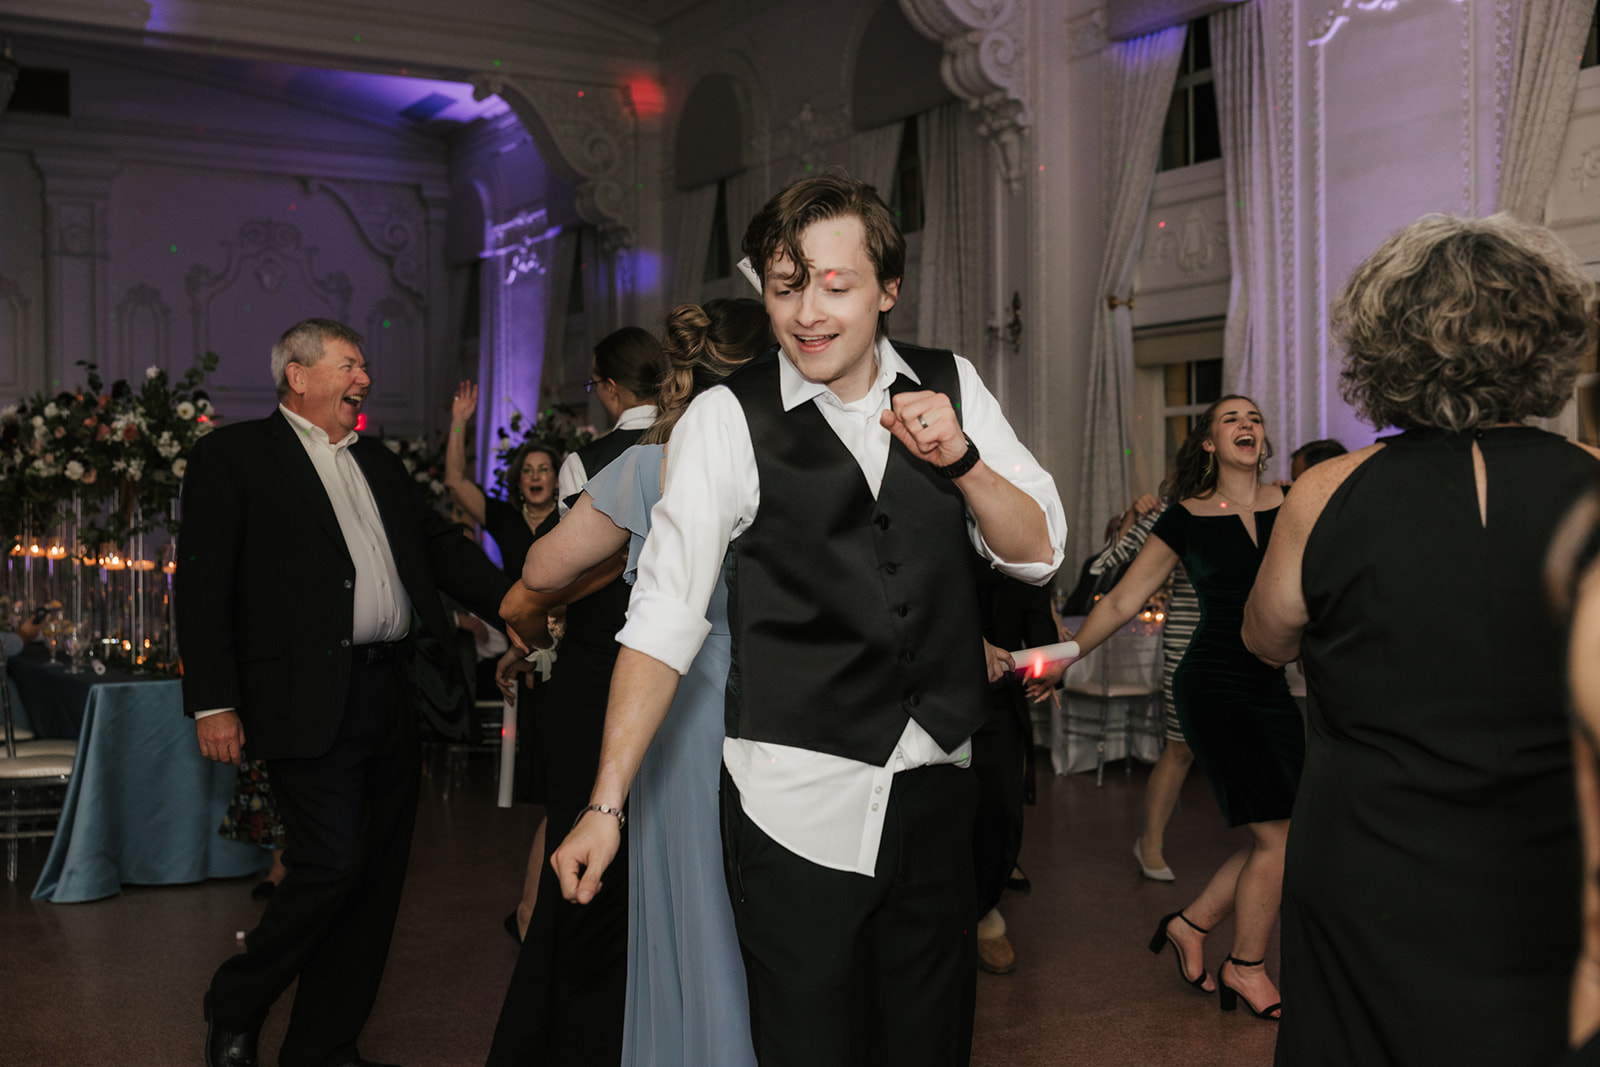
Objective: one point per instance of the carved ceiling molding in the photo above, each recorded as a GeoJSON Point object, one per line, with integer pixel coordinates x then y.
{"type": "Point", "coordinates": [393, 222]}
{"type": "Point", "coordinates": [985, 64]}
{"type": "Point", "coordinates": [587, 133]}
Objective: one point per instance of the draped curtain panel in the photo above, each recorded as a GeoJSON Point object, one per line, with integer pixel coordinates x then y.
{"type": "Point", "coordinates": [695, 208]}
{"type": "Point", "coordinates": [1141, 74]}
{"type": "Point", "coordinates": [1257, 354]}
{"type": "Point", "coordinates": [875, 153]}
{"type": "Point", "coordinates": [744, 200]}
{"type": "Point", "coordinates": [950, 299]}
{"type": "Point", "coordinates": [1549, 48]}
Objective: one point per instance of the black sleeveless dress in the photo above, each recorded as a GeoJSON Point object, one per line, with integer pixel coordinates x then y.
{"type": "Point", "coordinates": [1236, 712]}
{"type": "Point", "coordinates": [1430, 907]}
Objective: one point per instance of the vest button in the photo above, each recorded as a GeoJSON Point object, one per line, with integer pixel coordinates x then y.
{"type": "Point", "coordinates": [890, 568]}
{"type": "Point", "coordinates": [903, 611]}
{"type": "Point", "coordinates": [348, 584]}
{"type": "Point", "coordinates": [908, 655]}
{"type": "Point", "coordinates": [344, 642]}
{"type": "Point", "coordinates": [883, 522]}
{"type": "Point", "coordinates": [913, 699]}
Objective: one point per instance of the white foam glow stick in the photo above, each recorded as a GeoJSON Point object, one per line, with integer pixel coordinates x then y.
{"type": "Point", "coordinates": [1034, 661]}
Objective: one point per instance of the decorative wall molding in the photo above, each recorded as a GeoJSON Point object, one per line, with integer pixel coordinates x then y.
{"type": "Point", "coordinates": [587, 133]}
{"type": "Point", "coordinates": [394, 222]}
{"type": "Point", "coordinates": [272, 253]}
{"type": "Point", "coordinates": [804, 136]}
{"type": "Point", "coordinates": [986, 65]}
{"type": "Point", "coordinates": [1194, 242]}
{"type": "Point", "coordinates": [391, 343]}
{"type": "Point", "coordinates": [1086, 34]}
{"type": "Point", "coordinates": [1587, 170]}
{"type": "Point", "coordinates": [144, 302]}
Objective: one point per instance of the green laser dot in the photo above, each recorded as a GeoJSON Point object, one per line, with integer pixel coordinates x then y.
{"type": "Point", "coordinates": [172, 248]}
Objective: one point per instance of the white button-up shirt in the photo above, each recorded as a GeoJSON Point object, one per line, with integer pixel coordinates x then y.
{"type": "Point", "coordinates": [382, 609]}
{"type": "Point", "coordinates": [824, 808]}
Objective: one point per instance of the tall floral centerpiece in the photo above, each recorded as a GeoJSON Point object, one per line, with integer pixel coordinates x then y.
{"type": "Point", "coordinates": [89, 483]}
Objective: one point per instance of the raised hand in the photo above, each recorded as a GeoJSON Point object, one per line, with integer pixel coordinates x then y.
{"type": "Point", "coordinates": [926, 424]}
{"type": "Point", "coordinates": [464, 403]}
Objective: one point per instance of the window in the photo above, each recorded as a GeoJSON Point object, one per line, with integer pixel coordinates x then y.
{"type": "Point", "coordinates": [1591, 50]}
{"type": "Point", "coordinates": [905, 200]}
{"type": "Point", "coordinates": [1192, 134]}
{"type": "Point", "coordinates": [1190, 389]}
{"type": "Point", "coordinates": [719, 256]}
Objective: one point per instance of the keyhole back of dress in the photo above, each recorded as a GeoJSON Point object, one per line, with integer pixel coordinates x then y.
{"type": "Point", "coordinates": [1480, 478]}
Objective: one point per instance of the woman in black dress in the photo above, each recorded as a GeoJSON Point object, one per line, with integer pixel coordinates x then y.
{"type": "Point", "coordinates": [1430, 910]}
{"type": "Point", "coordinates": [1237, 714]}
{"type": "Point", "coordinates": [513, 524]}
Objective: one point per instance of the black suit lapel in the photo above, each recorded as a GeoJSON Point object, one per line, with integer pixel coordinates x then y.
{"type": "Point", "coordinates": [283, 443]}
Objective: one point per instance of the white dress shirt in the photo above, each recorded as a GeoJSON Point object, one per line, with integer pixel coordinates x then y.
{"type": "Point", "coordinates": [569, 482]}
{"type": "Point", "coordinates": [824, 808]}
{"type": "Point", "coordinates": [382, 608]}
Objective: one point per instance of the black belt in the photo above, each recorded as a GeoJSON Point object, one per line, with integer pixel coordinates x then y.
{"type": "Point", "coordinates": [379, 651]}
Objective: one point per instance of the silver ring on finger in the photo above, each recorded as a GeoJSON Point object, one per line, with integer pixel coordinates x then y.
{"type": "Point", "coordinates": [922, 421]}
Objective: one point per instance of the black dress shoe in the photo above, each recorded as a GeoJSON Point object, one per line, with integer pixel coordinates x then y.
{"type": "Point", "coordinates": [225, 1049]}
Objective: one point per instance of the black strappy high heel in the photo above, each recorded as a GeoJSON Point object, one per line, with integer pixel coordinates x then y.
{"type": "Point", "coordinates": [1228, 997]}
{"type": "Point", "coordinates": [1160, 940]}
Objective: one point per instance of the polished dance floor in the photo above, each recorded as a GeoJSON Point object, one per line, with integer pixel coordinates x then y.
{"type": "Point", "coordinates": [119, 981]}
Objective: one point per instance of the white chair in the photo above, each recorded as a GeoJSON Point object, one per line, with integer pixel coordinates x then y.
{"type": "Point", "coordinates": [33, 782]}
{"type": "Point", "coordinates": [1114, 689]}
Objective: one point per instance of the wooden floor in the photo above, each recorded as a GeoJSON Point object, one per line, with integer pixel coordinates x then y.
{"type": "Point", "coordinates": [119, 981]}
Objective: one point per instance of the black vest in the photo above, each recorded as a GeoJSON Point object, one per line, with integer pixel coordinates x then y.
{"type": "Point", "coordinates": [598, 454]}
{"type": "Point", "coordinates": [850, 615]}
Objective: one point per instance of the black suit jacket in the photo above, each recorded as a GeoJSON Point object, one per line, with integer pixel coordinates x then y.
{"type": "Point", "coordinates": [266, 588]}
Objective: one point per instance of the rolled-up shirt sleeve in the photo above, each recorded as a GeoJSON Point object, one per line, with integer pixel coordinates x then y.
{"type": "Point", "coordinates": [709, 496]}
{"type": "Point", "coordinates": [998, 445]}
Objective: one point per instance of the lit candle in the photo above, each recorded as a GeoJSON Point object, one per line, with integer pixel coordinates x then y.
{"type": "Point", "coordinates": [142, 564]}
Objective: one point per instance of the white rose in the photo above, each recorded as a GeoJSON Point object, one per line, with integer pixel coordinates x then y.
{"type": "Point", "coordinates": [119, 465]}
{"type": "Point", "coordinates": [51, 411]}
{"type": "Point", "coordinates": [205, 428]}
{"type": "Point", "coordinates": [392, 446]}
{"type": "Point", "coordinates": [179, 465]}
{"type": "Point", "coordinates": [151, 371]}
{"type": "Point", "coordinates": [436, 487]}
{"type": "Point", "coordinates": [203, 405]}
{"type": "Point", "coordinates": [8, 412]}
{"type": "Point", "coordinates": [38, 422]}
{"type": "Point", "coordinates": [74, 470]}
{"type": "Point", "coordinates": [185, 410]}
{"type": "Point", "coordinates": [135, 469]}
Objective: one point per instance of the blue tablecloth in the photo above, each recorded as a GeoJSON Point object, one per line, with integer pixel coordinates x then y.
{"type": "Point", "coordinates": [143, 806]}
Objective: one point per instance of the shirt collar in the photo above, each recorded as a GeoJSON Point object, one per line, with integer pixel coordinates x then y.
{"type": "Point", "coordinates": [314, 433]}
{"type": "Point", "coordinates": [637, 418]}
{"type": "Point", "coordinates": [796, 389]}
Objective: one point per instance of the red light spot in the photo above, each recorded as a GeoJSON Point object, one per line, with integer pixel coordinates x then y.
{"type": "Point", "coordinates": [647, 95]}
{"type": "Point", "coordinates": [830, 276]}
{"type": "Point", "coordinates": [1161, 225]}
{"type": "Point", "coordinates": [203, 418]}
{"type": "Point", "coordinates": [580, 94]}
{"type": "Point", "coordinates": [1038, 666]}
{"type": "Point", "coordinates": [361, 422]}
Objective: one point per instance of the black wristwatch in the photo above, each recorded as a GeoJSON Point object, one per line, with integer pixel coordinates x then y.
{"type": "Point", "coordinates": [962, 465]}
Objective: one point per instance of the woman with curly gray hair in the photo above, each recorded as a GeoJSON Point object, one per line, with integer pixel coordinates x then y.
{"type": "Point", "coordinates": [1432, 871]}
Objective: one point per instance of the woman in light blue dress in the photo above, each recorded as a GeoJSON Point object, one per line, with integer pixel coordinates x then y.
{"type": "Point", "coordinates": [686, 997]}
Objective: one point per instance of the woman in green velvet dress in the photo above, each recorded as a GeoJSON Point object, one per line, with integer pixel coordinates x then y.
{"type": "Point", "coordinates": [1237, 713]}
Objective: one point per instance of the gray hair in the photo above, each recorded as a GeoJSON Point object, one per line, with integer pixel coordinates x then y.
{"type": "Point", "coordinates": [303, 343]}
{"type": "Point", "coordinates": [1456, 323]}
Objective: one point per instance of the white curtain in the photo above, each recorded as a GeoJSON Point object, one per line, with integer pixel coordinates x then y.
{"type": "Point", "coordinates": [1141, 74]}
{"type": "Point", "coordinates": [1550, 36]}
{"type": "Point", "coordinates": [875, 153]}
{"type": "Point", "coordinates": [695, 209]}
{"type": "Point", "coordinates": [744, 200]}
{"type": "Point", "coordinates": [1257, 357]}
{"type": "Point", "coordinates": [951, 287]}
